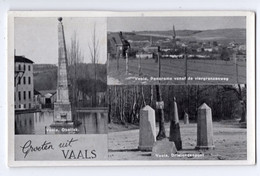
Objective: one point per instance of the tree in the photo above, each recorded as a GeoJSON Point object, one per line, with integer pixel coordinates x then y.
{"type": "Point", "coordinates": [240, 92]}
{"type": "Point", "coordinates": [225, 55]}
{"type": "Point", "coordinates": [74, 58]}
{"type": "Point", "coordinates": [94, 56]}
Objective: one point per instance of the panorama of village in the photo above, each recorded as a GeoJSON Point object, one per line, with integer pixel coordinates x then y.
{"type": "Point", "coordinates": [173, 56]}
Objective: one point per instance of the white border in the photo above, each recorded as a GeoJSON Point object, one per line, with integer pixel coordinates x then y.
{"type": "Point", "coordinates": [250, 86]}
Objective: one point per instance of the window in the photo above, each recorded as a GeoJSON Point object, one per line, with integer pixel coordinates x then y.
{"type": "Point", "coordinates": [24, 80]}
{"type": "Point", "coordinates": [29, 95]}
{"type": "Point", "coordinates": [29, 105]}
{"type": "Point", "coordinates": [24, 67]}
{"type": "Point", "coordinates": [19, 106]}
{"type": "Point", "coordinates": [24, 95]}
{"type": "Point", "coordinates": [29, 68]}
{"type": "Point", "coordinates": [29, 80]}
{"type": "Point", "coordinates": [24, 106]}
{"type": "Point", "coordinates": [19, 80]}
{"type": "Point", "coordinates": [19, 67]}
{"type": "Point", "coordinates": [63, 116]}
{"type": "Point", "coordinates": [19, 96]}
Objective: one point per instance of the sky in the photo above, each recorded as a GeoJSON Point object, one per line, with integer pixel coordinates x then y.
{"type": "Point", "coordinates": [37, 38]}
{"type": "Point", "coordinates": [165, 23]}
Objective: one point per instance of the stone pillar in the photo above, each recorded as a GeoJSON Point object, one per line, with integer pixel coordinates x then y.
{"type": "Point", "coordinates": [126, 62]}
{"type": "Point", "coordinates": [163, 149]}
{"type": "Point", "coordinates": [186, 118]}
{"type": "Point", "coordinates": [147, 132]}
{"type": "Point", "coordinates": [204, 128]}
{"type": "Point", "coordinates": [175, 134]}
{"type": "Point", "coordinates": [117, 58]}
{"type": "Point", "coordinates": [62, 107]}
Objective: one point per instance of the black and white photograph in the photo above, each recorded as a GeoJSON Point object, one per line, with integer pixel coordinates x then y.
{"type": "Point", "coordinates": [130, 88]}
{"type": "Point", "coordinates": [59, 82]}
{"type": "Point", "coordinates": [176, 50]}
{"type": "Point", "coordinates": [177, 122]}
{"type": "Point", "coordinates": [55, 79]}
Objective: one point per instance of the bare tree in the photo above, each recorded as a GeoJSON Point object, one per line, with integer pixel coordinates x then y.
{"type": "Point", "coordinates": [240, 92]}
{"type": "Point", "coordinates": [74, 58]}
{"type": "Point", "coordinates": [94, 56]}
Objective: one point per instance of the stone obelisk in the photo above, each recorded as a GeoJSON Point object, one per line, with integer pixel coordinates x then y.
{"type": "Point", "coordinates": [62, 107]}
{"type": "Point", "coordinates": [204, 128]}
{"type": "Point", "coordinates": [175, 134]}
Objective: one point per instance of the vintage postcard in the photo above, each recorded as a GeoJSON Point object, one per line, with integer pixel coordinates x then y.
{"type": "Point", "coordinates": [131, 88]}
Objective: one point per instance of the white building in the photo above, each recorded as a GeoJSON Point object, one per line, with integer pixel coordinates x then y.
{"type": "Point", "coordinates": [23, 83]}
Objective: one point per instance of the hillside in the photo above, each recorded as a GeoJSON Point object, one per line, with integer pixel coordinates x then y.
{"type": "Point", "coordinates": [169, 33]}
{"type": "Point", "coordinates": [45, 75]}
{"type": "Point", "coordinates": [228, 35]}
{"type": "Point", "coordinates": [221, 33]}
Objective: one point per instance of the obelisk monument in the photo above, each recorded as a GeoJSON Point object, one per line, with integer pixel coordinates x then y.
{"type": "Point", "coordinates": [205, 128]}
{"type": "Point", "coordinates": [175, 134]}
{"type": "Point", "coordinates": [62, 107]}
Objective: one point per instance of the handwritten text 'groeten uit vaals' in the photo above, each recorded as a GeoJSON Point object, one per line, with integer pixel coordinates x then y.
{"type": "Point", "coordinates": [65, 148]}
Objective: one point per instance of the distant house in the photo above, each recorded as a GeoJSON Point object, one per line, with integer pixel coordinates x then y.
{"type": "Point", "coordinates": [151, 49]}
{"type": "Point", "coordinates": [48, 97]}
{"type": "Point", "coordinates": [117, 44]}
{"type": "Point", "coordinates": [215, 48]}
{"type": "Point", "coordinates": [173, 56]}
{"type": "Point", "coordinates": [233, 44]}
{"type": "Point", "coordinates": [242, 47]}
{"type": "Point", "coordinates": [144, 55]}
{"type": "Point", "coordinates": [200, 50]}
{"type": "Point", "coordinates": [23, 83]}
{"type": "Point", "coordinates": [208, 49]}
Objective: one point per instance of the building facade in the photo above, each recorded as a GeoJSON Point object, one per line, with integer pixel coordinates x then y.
{"type": "Point", "coordinates": [23, 88]}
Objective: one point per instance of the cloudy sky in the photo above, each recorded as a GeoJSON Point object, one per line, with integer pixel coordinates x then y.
{"type": "Point", "coordinates": [37, 38]}
{"type": "Point", "coordinates": [166, 23]}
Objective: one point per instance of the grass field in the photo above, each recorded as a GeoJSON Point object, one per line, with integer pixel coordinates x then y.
{"type": "Point", "coordinates": [173, 70]}
{"type": "Point", "coordinates": [229, 140]}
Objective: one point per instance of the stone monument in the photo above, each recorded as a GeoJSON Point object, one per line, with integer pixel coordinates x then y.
{"type": "Point", "coordinates": [186, 118]}
{"type": "Point", "coordinates": [163, 149]}
{"type": "Point", "coordinates": [175, 134]}
{"type": "Point", "coordinates": [204, 128]}
{"type": "Point", "coordinates": [147, 132]}
{"type": "Point", "coordinates": [62, 107]}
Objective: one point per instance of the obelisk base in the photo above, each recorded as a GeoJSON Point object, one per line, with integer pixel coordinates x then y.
{"type": "Point", "coordinates": [205, 147]}
{"type": "Point", "coordinates": [62, 114]}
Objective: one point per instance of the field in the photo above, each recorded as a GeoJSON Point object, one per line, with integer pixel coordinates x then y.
{"type": "Point", "coordinates": [229, 139]}
{"type": "Point", "coordinates": [173, 72]}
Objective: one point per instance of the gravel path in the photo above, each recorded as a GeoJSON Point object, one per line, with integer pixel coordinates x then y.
{"type": "Point", "coordinates": [229, 140]}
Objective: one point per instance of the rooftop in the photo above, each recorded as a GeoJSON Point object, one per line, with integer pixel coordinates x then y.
{"type": "Point", "coordinates": [115, 38]}
{"type": "Point", "coordinates": [22, 59]}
